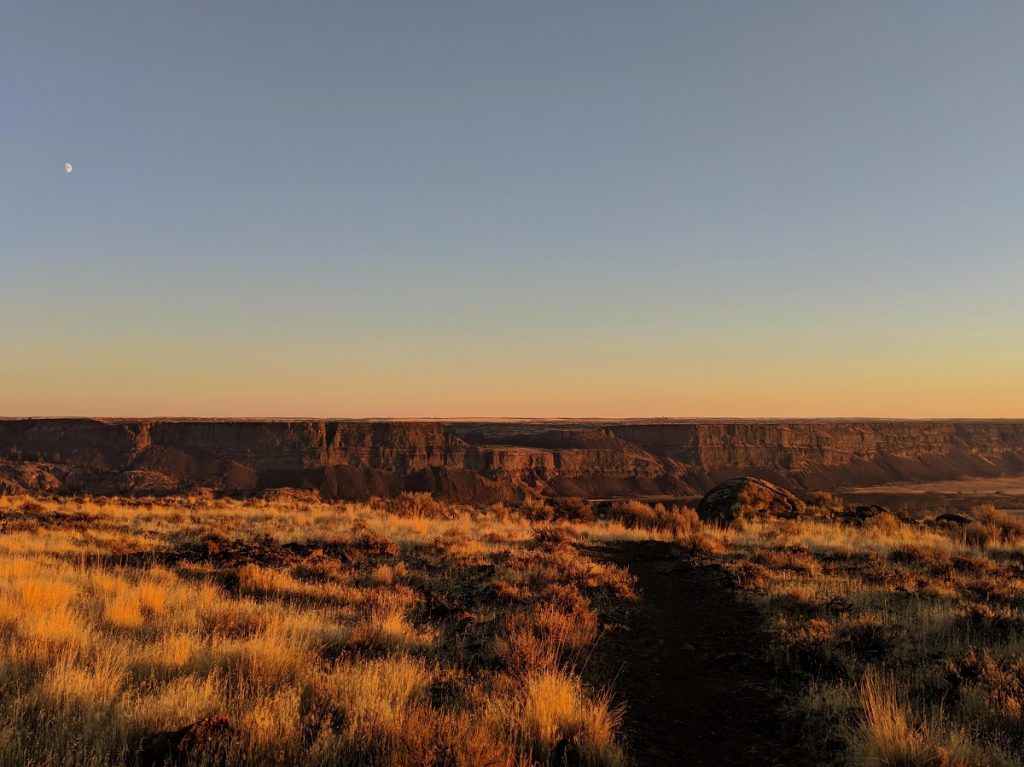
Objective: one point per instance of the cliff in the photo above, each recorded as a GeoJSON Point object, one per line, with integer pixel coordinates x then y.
{"type": "Point", "coordinates": [489, 461]}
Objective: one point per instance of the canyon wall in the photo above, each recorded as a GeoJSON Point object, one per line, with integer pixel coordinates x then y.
{"type": "Point", "coordinates": [490, 461]}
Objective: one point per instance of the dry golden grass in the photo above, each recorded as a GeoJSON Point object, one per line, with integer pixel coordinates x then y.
{"type": "Point", "coordinates": [553, 707]}
{"type": "Point", "coordinates": [412, 632]}
{"type": "Point", "coordinates": [905, 635]}
{"type": "Point", "coordinates": [404, 632]}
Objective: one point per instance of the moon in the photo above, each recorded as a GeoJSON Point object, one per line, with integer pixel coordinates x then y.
{"type": "Point", "coordinates": [67, 167]}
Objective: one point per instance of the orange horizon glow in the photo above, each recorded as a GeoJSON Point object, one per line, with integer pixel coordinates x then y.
{"type": "Point", "coordinates": [613, 394]}
{"type": "Point", "coordinates": [813, 373]}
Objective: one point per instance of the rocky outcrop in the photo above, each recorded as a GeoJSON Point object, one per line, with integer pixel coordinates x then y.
{"type": "Point", "coordinates": [746, 498]}
{"type": "Point", "coordinates": [492, 461]}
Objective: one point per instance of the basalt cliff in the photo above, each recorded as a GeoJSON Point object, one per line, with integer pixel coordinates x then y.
{"type": "Point", "coordinates": [491, 461]}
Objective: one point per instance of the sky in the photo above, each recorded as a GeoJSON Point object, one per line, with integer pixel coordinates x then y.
{"type": "Point", "coordinates": [519, 209]}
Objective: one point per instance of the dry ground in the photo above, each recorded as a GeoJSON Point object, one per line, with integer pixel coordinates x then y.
{"type": "Point", "coordinates": [1005, 493]}
{"type": "Point", "coordinates": [973, 487]}
{"type": "Point", "coordinates": [694, 668]}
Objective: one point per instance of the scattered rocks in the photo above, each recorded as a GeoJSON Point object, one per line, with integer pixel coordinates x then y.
{"type": "Point", "coordinates": [746, 497]}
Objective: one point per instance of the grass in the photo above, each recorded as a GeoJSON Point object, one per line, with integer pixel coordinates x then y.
{"type": "Point", "coordinates": [413, 632]}
{"type": "Point", "coordinates": [904, 634]}
{"type": "Point", "coordinates": [404, 632]}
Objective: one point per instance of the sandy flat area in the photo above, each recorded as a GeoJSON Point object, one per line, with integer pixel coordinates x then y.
{"type": "Point", "coordinates": [973, 486]}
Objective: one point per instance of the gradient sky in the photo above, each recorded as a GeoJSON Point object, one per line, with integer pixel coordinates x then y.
{"type": "Point", "coordinates": [512, 209]}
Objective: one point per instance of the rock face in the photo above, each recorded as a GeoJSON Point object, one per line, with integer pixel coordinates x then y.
{"type": "Point", "coordinates": [745, 498]}
{"type": "Point", "coordinates": [492, 461]}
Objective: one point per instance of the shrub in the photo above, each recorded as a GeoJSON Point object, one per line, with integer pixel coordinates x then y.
{"type": "Point", "coordinates": [637, 515]}
{"type": "Point", "coordinates": [554, 709]}
{"type": "Point", "coordinates": [572, 509]}
{"type": "Point", "coordinates": [825, 502]}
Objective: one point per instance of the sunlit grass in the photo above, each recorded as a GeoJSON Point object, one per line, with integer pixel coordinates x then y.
{"type": "Point", "coordinates": [326, 634]}
{"type": "Point", "coordinates": [904, 634]}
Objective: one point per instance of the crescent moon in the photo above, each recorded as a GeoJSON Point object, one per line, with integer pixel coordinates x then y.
{"type": "Point", "coordinates": [67, 167]}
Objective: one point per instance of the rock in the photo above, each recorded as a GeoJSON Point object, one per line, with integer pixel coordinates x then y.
{"type": "Point", "coordinates": [139, 482]}
{"type": "Point", "coordinates": [481, 462]}
{"type": "Point", "coordinates": [33, 478]}
{"type": "Point", "coordinates": [867, 512]}
{"type": "Point", "coordinates": [955, 519]}
{"type": "Point", "coordinates": [746, 497]}
{"type": "Point", "coordinates": [203, 742]}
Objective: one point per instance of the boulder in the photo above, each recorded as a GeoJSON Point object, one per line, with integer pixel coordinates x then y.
{"type": "Point", "coordinates": [747, 497]}
{"type": "Point", "coordinates": [866, 512]}
{"type": "Point", "coordinates": [952, 518]}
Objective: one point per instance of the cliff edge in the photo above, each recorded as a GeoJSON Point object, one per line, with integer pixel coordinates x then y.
{"type": "Point", "coordinates": [492, 461]}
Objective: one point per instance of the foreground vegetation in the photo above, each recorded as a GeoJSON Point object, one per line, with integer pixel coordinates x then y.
{"type": "Point", "coordinates": [290, 632]}
{"type": "Point", "coordinates": [408, 632]}
{"type": "Point", "coordinates": [904, 634]}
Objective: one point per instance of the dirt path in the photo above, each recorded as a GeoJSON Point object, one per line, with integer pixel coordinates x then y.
{"type": "Point", "coordinates": [692, 669]}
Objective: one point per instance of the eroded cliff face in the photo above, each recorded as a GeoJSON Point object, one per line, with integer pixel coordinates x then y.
{"type": "Point", "coordinates": [492, 461]}
{"type": "Point", "coordinates": [829, 454]}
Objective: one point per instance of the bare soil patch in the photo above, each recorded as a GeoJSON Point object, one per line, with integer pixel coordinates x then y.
{"type": "Point", "coordinates": [693, 668]}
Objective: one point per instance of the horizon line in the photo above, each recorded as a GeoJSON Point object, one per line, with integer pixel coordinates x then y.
{"type": "Point", "coordinates": [501, 419]}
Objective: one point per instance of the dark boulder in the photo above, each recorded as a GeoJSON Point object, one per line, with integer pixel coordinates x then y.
{"type": "Point", "coordinates": [747, 497]}
{"type": "Point", "coordinates": [951, 518]}
{"type": "Point", "coordinates": [871, 510]}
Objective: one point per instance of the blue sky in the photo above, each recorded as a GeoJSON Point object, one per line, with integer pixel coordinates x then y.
{"type": "Point", "coordinates": [440, 209]}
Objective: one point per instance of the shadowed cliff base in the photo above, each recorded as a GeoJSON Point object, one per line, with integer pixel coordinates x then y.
{"type": "Point", "coordinates": [477, 461]}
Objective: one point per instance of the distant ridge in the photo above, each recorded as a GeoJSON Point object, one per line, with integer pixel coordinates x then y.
{"type": "Point", "coordinates": [492, 460]}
